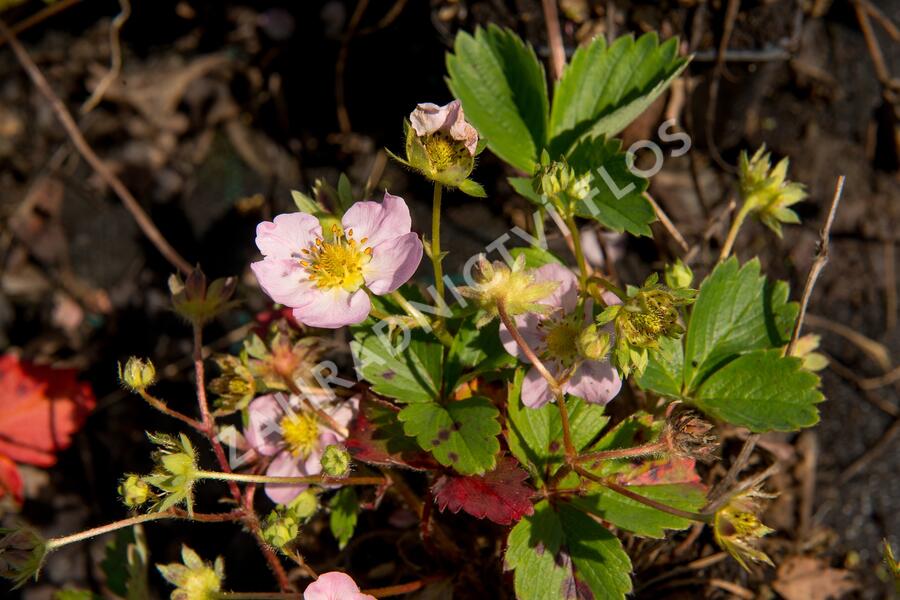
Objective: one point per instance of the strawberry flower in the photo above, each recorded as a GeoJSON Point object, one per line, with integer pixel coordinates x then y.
{"type": "Point", "coordinates": [334, 585]}
{"type": "Point", "coordinates": [295, 437]}
{"type": "Point", "coordinates": [325, 279]}
{"type": "Point", "coordinates": [555, 337]}
{"type": "Point", "coordinates": [429, 118]}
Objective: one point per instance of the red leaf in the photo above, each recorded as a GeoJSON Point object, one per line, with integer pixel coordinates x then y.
{"type": "Point", "coordinates": [500, 495]}
{"type": "Point", "coordinates": [10, 481]}
{"type": "Point", "coordinates": [377, 438]}
{"type": "Point", "coordinates": [676, 469]}
{"type": "Point", "coordinates": [40, 409]}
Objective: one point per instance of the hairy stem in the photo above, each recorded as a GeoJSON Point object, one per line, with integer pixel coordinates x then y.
{"type": "Point", "coordinates": [739, 219]}
{"type": "Point", "coordinates": [436, 240]}
{"type": "Point", "coordinates": [579, 252]}
{"type": "Point", "coordinates": [164, 408]}
{"type": "Point", "coordinates": [436, 326]}
{"type": "Point", "coordinates": [654, 448]}
{"type": "Point", "coordinates": [315, 479]}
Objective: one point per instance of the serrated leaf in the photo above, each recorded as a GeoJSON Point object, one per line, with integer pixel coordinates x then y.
{"type": "Point", "coordinates": [616, 197]}
{"type": "Point", "coordinates": [377, 438]}
{"type": "Point", "coordinates": [603, 89]}
{"type": "Point", "coordinates": [762, 391]}
{"type": "Point", "coordinates": [503, 91]}
{"type": "Point", "coordinates": [460, 434]}
{"type": "Point", "coordinates": [638, 518]}
{"type": "Point", "coordinates": [564, 553]}
{"type": "Point", "coordinates": [500, 495]}
{"type": "Point", "coordinates": [737, 311]}
{"type": "Point", "coordinates": [125, 564]}
{"type": "Point", "coordinates": [410, 375]}
{"type": "Point", "coordinates": [344, 507]}
{"type": "Point", "coordinates": [474, 351]}
{"type": "Point", "coordinates": [535, 437]}
{"type": "Point", "coordinates": [664, 372]}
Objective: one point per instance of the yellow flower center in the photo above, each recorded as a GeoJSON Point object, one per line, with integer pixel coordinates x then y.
{"type": "Point", "coordinates": [301, 433]}
{"type": "Point", "coordinates": [338, 263]}
{"type": "Point", "coordinates": [561, 338]}
{"type": "Point", "coordinates": [443, 151]}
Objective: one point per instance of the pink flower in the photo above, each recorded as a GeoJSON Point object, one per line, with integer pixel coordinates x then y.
{"type": "Point", "coordinates": [430, 118]}
{"type": "Point", "coordinates": [295, 437]}
{"type": "Point", "coordinates": [553, 337]}
{"type": "Point", "coordinates": [334, 585]}
{"type": "Point", "coordinates": [323, 279]}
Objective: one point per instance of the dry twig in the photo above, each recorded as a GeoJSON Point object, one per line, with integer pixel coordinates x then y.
{"type": "Point", "coordinates": [115, 52]}
{"type": "Point", "coordinates": [554, 38]}
{"type": "Point", "coordinates": [667, 223]}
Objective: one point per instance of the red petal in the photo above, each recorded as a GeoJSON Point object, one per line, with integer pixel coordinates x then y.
{"type": "Point", "coordinates": [501, 495]}
{"type": "Point", "coordinates": [10, 481]}
{"type": "Point", "coordinates": [40, 409]}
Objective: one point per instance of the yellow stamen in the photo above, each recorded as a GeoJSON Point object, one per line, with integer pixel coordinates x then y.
{"type": "Point", "coordinates": [301, 433]}
{"type": "Point", "coordinates": [338, 263]}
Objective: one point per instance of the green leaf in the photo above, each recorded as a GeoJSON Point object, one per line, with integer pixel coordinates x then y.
{"type": "Point", "coordinates": [641, 519]}
{"type": "Point", "coordinates": [461, 434]}
{"type": "Point", "coordinates": [125, 564]}
{"type": "Point", "coordinates": [737, 311]}
{"type": "Point", "coordinates": [472, 188]}
{"type": "Point", "coordinates": [535, 436]}
{"type": "Point", "coordinates": [558, 553]}
{"type": "Point", "coordinates": [503, 91]}
{"type": "Point", "coordinates": [305, 203]}
{"type": "Point", "coordinates": [344, 192]}
{"type": "Point", "coordinates": [70, 594]}
{"type": "Point", "coordinates": [603, 89]}
{"type": "Point", "coordinates": [535, 256]}
{"type": "Point", "coordinates": [344, 507]}
{"type": "Point", "coordinates": [664, 372]}
{"type": "Point", "coordinates": [474, 351]}
{"type": "Point", "coordinates": [616, 198]}
{"type": "Point", "coordinates": [762, 391]}
{"type": "Point", "coordinates": [412, 374]}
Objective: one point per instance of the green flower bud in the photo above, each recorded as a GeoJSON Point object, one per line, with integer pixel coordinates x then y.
{"type": "Point", "coordinates": [137, 374]}
{"type": "Point", "coordinates": [592, 343]}
{"type": "Point", "coordinates": [335, 461]}
{"type": "Point", "coordinates": [282, 526]}
{"type": "Point", "coordinates": [135, 491]}
{"type": "Point", "coordinates": [679, 275]}
{"type": "Point", "coordinates": [193, 578]}
{"type": "Point", "coordinates": [561, 185]}
{"type": "Point", "coordinates": [175, 473]}
{"type": "Point", "coordinates": [197, 302]}
{"type": "Point", "coordinates": [22, 554]}
{"type": "Point", "coordinates": [514, 288]}
{"type": "Point", "coordinates": [767, 192]}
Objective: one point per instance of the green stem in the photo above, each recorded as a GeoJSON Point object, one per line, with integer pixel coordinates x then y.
{"type": "Point", "coordinates": [624, 491]}
{"type": "Point", "coordinates": [436, 326]}
{"type": "Point", "coordinates": [314, 479]}
{"type": "Point", "coordinates": [579, 253]}
{"type": "Point", "coordinates": [436, 240]}
{"type": "Point", "coordinates": [733, 232]}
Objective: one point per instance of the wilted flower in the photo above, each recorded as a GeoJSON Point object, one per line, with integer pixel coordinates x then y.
{"type": "Point", "coordinates": [197, 302]}
{"type": "Point", "coordinates": [235, 385]}
{"type": "Point", "coordinates": [22, 554]}
{"type": "Point", "coordinates": [553, 335]}
{"type": "Point", "coordinates": [690, 435]}
{"type": "Point", "coordinates": [137, 374]}
{"type": "Point", "coordinates": [175, 472]}
{"type": "Point", "coordinates": [766, 191]}
{"type": "Point", "coordinates": [295, 437]}
{"type": "Point", "coordinates": [334, 585]}
{"type": "Point", "coordinates": [441, 145]}
{"type": "Point", "coordinates": [648, 314]}
{"type": "Point", "coordinates": [135, 491]}
{"type": "Point", "coordinates": [737, 527]}
{"type": "Point", "coordinates": [282, 526]}
{"type": "Point", "coordinates": [324, 278]}
{"type": "Point", "coordinates": [516, 288]}
{"type": "Point", "coordinates": [193, 578]}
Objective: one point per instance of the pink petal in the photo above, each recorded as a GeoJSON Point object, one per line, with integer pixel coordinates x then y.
{"type": "Point", "coordinates": [566, 294]}
{"type": "Point", "coordinates": [346, 411]}
{"type": "Point", "coordinates": [334, 586]}
{"type": "Point", "coordinates": [285, 465]}
{"type": "Point", "coordinates": [393, 263]}
{"type": "Point", "coordinates": [596, 382]}
{"type": "Point", "coordinates": [287, 234]}
{"type": "Point", "coordinates": [429, 118]}
{"type": "Point", "coordinates": [528, 328]}
{"type": "Point", "coordinates": [378, 222]}
{"type": "Point", "coordinates": [263, 431]}
{"type": "Point", "coordinates": [461, 130]}
{"type": "Point", "coordinates": [332, 309]}
{"type": "Point", "coordinates": [535, 390]}
{"type": "Point", "coordinates": [283, 280]}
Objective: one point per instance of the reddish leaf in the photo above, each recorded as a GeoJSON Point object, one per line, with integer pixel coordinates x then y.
{"type": "Point", "coordinates": [377, 438]}
{"type": "Point", "coordinates": [10, 481]}
{"type": "Point", "coordinates": [500, 495]}
{"type": "Point", "coordinates": [40, 409]}
{"type": "Point", "coordinates": [676, 469]}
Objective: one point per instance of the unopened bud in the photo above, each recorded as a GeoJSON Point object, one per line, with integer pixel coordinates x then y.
{"type": "Point", "coordinates": [197, 302]}
{"type": "Point", "coordinates": [137, 374]}
{"type": "Point", "coordinates": [679, 275]}
{"type": "Point", "coordinates": [335, 461]}
{"type": "Point", "coordinates": [593, 344]}
{"type": "Point", "coordinates": [134, 491]}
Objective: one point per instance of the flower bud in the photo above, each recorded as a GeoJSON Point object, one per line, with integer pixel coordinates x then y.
{"type": "Point", "coordinates": [766, 191]}
{"type": "Point", "coordinates": [561, 185]}
{"type": "Point", "coordinates": [282, 526]}
{"type": "Point", "coordinates": [592, 343]}
{"type": "Point", "coordinates": [679, 275]}
{"type": "Point", "coordinates": [235, 386]}
{"type": "Point", "coordinates": [22, 554]}
{"type": "Point", "coordinates": [688, 434]}
{"type": "Point", "coordinates": [134, 491]}
{"type": "Point", "coordinates": [193, 578]}
{"type": "Point", "coordinates": [335, 461]}
{"type": "Point", "coordinates": [175, 473]}
{"type": "Point", "coordinates": [737, 528]}
{"type": "Point", "coordinates": [515, 289]}
{"type": "Point", "coordinates": [137, 374]}
{"type": "Point", "coordinates": [197, 302]}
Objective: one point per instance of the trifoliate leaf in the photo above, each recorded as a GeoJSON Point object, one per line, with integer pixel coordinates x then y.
{"type": "Point", "coordinates": [560, 552]}
{"type": "Point", "coordinates": [762, 391]}
{"type": "Point", "coordinates": [460, 434]}
{"type": "Point", "coordinates": [503, 90]}
{"type": "Point", "coordinates": [737, 311]}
